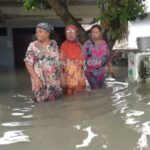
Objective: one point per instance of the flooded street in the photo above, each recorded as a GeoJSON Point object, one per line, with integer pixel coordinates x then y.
{"type": "Point", "coordinates": [116, 117]}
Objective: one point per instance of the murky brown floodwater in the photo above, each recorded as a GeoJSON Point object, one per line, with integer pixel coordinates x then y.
{"type": "Point", "coordinates": [116, 117]}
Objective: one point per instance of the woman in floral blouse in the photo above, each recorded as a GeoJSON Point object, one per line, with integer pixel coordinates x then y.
{"type": "Point", "coordinates": [96, 58]}
{"type": "Point", "coordinates": [42, 63]}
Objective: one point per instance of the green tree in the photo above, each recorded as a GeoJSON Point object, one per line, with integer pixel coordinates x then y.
{"type": "Point", "coordinates": [114, 15]}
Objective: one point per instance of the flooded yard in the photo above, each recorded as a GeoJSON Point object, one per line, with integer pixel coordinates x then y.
{"type": "Point", "coordinates": [116, 117]}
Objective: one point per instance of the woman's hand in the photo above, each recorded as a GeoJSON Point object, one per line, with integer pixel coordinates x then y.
{"type": "Point", "coordinates": [37, 83]}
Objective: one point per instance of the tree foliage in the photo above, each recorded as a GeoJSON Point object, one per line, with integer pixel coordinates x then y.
{"type": "Point", "coordinates": [36, 4]}
{"type": "Point", "coordinates": [114, 15]}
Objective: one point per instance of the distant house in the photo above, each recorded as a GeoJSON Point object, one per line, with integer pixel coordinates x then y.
{"type": "Point", "coordinates": [17, 28]}
{"type": "Point", "coordinates": [137, 28]}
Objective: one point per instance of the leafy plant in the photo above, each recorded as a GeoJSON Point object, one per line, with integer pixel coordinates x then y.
{"type": "Point", "coordinates": [115, 15]}
{"type": "Point", "coordinates": [36, 4]}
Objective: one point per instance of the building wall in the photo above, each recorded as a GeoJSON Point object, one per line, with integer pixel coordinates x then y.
{"type": "Point", "coordinates": [138, 28]}
{"type": "Point", "coordinates": [6, 51]}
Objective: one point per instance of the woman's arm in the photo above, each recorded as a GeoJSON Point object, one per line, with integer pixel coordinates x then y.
{"type": "Point", "coordinates": [29, 63]}
{"type": "Point", "coordinates": [86, 54]}
{"type": "Point", "coordinates": [62, 57]}
{"type": "Point", "coordinates": [105, 58]}
{"type": "Point", "coordinates": [36, 81]}
{"type": "Point", "coordinates": [30, 70]}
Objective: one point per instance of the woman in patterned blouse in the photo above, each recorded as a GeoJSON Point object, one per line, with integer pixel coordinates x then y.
{"type": "Point", "coordinates": [96, 58]}
{"type": "Point", "coordinates": [42, 63]}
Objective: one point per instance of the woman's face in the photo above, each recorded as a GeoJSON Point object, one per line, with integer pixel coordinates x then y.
{"type": "Point", "coordinates": [95, 34]}
{"type": "Point", "coordinates": [71, 34]}
{"type": "Point", "coordinates": [41, 34]}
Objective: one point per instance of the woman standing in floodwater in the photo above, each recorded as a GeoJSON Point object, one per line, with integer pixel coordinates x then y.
{"type": "Point", "coordinates": [42, 63]}
{"type": "Point", "coordinates": [96, 58]}
{"type": "Point", "coordinates": [72, 56]}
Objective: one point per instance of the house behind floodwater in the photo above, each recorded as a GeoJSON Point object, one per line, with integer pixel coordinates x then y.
{"type": "Point", "coordinates": [17, 27]}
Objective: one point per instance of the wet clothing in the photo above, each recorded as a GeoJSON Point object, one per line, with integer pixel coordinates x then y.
{"type": "Point", "coordinates": [45, 61]}
{"type": "Point", "coordinates": [96, 59]}
{"type": "Point", "coordinates": [72, 57]}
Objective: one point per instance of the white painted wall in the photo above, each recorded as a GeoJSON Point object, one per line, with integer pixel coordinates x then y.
{"type": "Point", "coordinates": [139, 28]}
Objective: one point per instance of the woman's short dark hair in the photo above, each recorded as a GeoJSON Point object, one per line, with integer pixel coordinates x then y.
{"type": "Point", "coordinates": [96, 26]}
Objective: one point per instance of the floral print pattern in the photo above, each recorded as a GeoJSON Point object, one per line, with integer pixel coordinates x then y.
{"type": "Point", "coordinates": [73, 70]}
{"type": "Point", "coordinates": [96, 58]}
{"type": "Point", "coordinates": [45, 61]}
